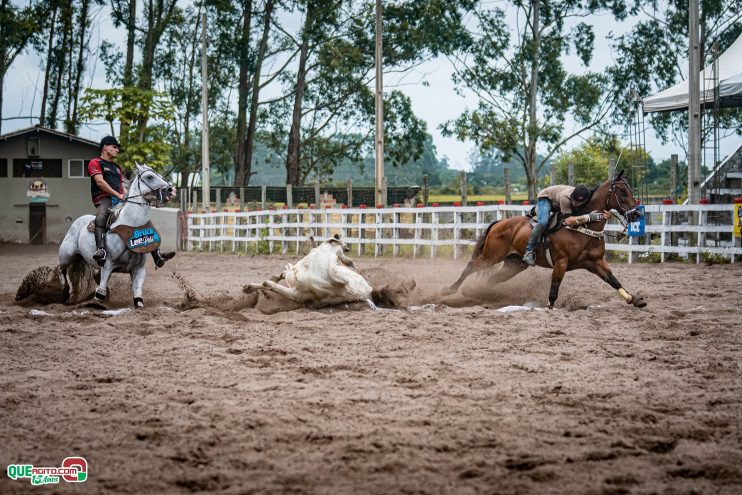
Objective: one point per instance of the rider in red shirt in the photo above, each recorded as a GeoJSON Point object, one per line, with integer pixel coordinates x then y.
{"type": "Point", "coordinates": [107, 189]}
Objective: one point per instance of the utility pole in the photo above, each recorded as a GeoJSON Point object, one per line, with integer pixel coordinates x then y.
{"type": "Point", "coordinates": [694, 107]}
{"type": "Point", "coordinates": [205, 129]}
{"type": "Point", "coordinates": [380, 196]}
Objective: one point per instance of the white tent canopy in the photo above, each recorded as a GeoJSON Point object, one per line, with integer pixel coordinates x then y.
{"type": "Point", "coordinates": [730, 85]}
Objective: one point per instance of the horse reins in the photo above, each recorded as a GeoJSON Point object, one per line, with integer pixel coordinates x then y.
{"type": "Point", "coordinates": [141, 180]}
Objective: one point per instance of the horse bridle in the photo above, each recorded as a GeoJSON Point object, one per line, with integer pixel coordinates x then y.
{"type": "Point", "coordinates": [613, 190]}
{"type": "Point", "coordinates": [158, 192]}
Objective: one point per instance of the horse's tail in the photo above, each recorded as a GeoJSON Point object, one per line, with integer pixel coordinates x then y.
{"type": "Point", "coordinates": [82, 279]}
{"type": "Point", "coordinates": [479, 246]}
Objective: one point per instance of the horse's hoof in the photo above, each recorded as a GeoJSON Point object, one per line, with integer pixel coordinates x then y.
{"type": "Point", "coordinates": [638, 302]}
{"type": "Point", "coordinates": [138, 303]}
{"type": "Point", "coordinates": [100, 296]}
{"type": "Point", "coordinates": [447, 291]}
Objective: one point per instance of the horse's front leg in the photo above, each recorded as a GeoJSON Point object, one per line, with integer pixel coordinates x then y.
{"type": "Point", "coordinates": [105, 274]}
{"type": "Point", "coordinates": [603, 271]}
{"type": "Point", "coordinates": [557, 274]}
{"type": "Point", "coordinates": [138, 274]}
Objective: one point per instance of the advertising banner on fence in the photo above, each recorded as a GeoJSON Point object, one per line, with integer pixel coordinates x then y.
{"type": "Point", "coordinates": [738, 220]}
{"type": "Point", "coordinates": [637, 228]}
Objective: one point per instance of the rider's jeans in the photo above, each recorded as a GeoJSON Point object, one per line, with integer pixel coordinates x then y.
{"type": "Point", "coordinates": [101, 212]}
{"type": "Point", "coordinates": [543, 208]}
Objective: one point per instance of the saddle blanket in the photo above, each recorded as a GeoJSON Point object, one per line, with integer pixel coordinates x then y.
{"type": "Point", "coordinates": [143, 239]}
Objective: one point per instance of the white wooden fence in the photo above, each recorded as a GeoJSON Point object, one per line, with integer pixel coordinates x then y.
{"type": "Point", "coordinates": [690, 231]}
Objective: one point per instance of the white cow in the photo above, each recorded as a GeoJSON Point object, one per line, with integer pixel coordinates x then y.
{"type": "Point", "coordinates": [324, 277]}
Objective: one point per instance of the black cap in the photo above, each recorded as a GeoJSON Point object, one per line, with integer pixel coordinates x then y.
{"type": "Point", "coordinates": [109, 140]}
{"type": "Point", "coordinates": [580, 195]}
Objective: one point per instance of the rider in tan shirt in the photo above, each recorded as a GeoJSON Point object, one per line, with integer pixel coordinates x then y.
{"type": "Point", "coordinates": [561, 197]}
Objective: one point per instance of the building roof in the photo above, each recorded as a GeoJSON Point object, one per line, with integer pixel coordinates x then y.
{"type": "Point", "coordinates": [38, 128]}
{"type": "Point", "coordinates": [729, 85]}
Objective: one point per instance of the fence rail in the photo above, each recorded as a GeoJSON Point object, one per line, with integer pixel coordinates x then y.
{"type": "Point", "coordinates": [692, 231]}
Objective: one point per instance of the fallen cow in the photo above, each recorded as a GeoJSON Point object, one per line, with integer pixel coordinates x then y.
{"type": "Point", "coordinates": [324, 277]}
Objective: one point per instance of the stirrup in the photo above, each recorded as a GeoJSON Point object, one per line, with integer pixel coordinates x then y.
{"type": "Point", "coordinates": [530, 258]}
{"type": "Point", "coordinates": [100, 256]}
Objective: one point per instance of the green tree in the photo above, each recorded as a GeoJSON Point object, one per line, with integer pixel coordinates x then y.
{"type": "Point", "coordinates": [653, 56]}
{"type": "Point", "coordinates": [134, 104]}
{"type": "Point", "coordinates": [590, 161]}
{"type": "Point", "coordinates": [18, 26]}
{"type": "Point", "coordinates": [328, 105]}
{"type": "Point", "coordinates": [516, 68]}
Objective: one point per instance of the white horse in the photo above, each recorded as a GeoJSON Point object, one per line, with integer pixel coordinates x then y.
{"type": "Point", "coordinates": [147, 189]}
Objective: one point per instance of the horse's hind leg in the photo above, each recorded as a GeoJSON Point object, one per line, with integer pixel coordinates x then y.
{"type": "Point", "coordinates": [602, 270]}
{"type": "Point", "coordinates": [511, 267]}
{"type": "Point", "coordinates": [473, 266]}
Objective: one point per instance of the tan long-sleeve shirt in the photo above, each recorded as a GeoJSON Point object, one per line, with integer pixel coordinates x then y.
{"type": "Point", "coordinates": [559, 196]}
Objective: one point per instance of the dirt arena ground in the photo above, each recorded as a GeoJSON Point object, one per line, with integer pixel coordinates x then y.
{"type": "Point", "coordinates": [202, 393]}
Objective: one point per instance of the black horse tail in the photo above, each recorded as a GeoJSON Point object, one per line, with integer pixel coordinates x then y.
{"type": "Point", "coordinates": [479, 246]}
{"type": "Point", "coordinates": [82, 279]}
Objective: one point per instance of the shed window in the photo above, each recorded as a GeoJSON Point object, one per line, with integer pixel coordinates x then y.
{"type": "Point", "coordinates": [78, 169]}
{"type": "Point", "coordinates": [3, 167]}
{"type": "Point", "coordinates": [37, 168]}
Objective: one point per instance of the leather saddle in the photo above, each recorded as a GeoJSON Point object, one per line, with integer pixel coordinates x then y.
{"type": "Point", "coordinates": [555, 221]}
{"type": "Point", "coordinates": [142, 239]}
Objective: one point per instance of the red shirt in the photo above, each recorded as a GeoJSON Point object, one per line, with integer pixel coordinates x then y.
{"type": "Point", "coordinates": [111, 174]}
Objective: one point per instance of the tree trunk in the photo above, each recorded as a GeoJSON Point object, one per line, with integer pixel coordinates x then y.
{"type": "Point", "coordinates": [158, 16]}
{"type": "Point", "coordinates": [252, 124]}
{"type": "Point", "coordinates": [50, 47]}
{"type": "Point", "coordinates": [241, 165]}
{"type": "Point", "coordinates": [530, 151]}
{"type": "Point", "coordinates": [73, 124]}
{"type": "Point", "coordinates": [128, 81]}
{"type": "Point", "coordinates": [61, 58]}
{"type": "Point", "coordinates": [293, 154]}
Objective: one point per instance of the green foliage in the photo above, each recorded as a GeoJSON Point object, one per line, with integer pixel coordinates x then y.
{"type": "Point", "coordinates": [653, 56]}
{"type": "Point", "coordinates": [505, 64]}
{"type": "Point", "coordinates": [714, 259]}
{"type": "Point", "coordinates": [133, 104]}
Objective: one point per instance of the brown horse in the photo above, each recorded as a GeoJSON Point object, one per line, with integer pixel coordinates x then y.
{"type": "Point", "coordinates": [506, 240]}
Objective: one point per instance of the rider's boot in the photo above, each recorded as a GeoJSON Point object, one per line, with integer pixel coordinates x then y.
{"type": "Point", "coordinates": [530, 256]}
{"type": "Point", "coordinates": [100, 253]}
{"type": "Point", "coordinates": [160, 258]}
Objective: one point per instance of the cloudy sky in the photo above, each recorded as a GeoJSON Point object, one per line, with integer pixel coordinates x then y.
{"type": "Point", "coordinates": [435, 102]}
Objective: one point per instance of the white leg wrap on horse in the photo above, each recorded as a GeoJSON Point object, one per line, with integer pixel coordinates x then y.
{"type": "Point", "coordinates": [627, 297]}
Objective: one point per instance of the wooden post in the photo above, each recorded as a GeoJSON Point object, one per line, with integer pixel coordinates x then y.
{"type": "Point", "coordinates": [426, 189]}
{"type": "Point", "coordinates": [350, 193]}
{"type": "Point", "coordinates": [418, 221]}
{"type": "Point", "coordinates": [506, 171]}
{"type": "Point", "coordinates": [218, 199]}
{"type": "Point", "coordinates": [361, 233]}
{"type": "Point", "coordinates": [194, 201]}
{"type": "Point", "coordinates": [317, 198]}
{"type": "Point", "coordinates": [289, 196]}
{"type": "Point", "coordinates": [611, 168]}
{"type": "Point", "coordinates": [463, 188]}
{"type": "Point", "coordinates": [242, 199]}
{"type": "Point", "coordinates": [384, 192]}
{"type": "Point", "coordinates": [263, 196]}
{"type": "Point", "coordinates": [674, 178]}
{"type": "Point", "coordinates": [553, 178]}
{"type": "Point", "coordinates": [571, 174]}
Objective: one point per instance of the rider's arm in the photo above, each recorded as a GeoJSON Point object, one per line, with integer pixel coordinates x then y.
{"type": "Point", "coordinates": [594, 216]}
{"type": "Point", "coordinates": [103, 185]}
